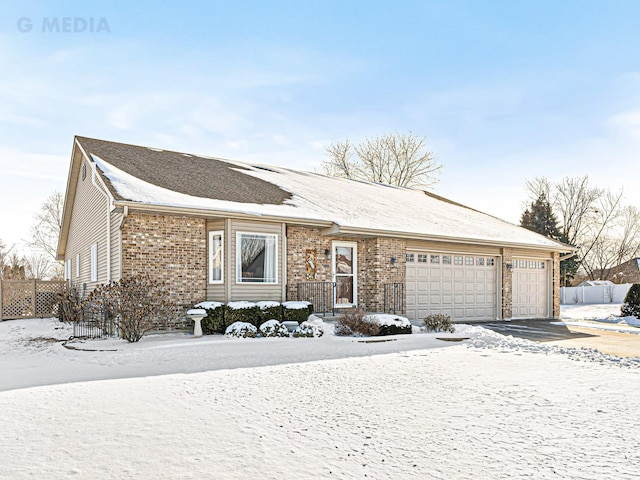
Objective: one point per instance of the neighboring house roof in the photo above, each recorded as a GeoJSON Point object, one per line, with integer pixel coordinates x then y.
{"type": "Point", "coordinates": [626, 272]}
{"type": "Point", "coordinates": [594, 283]}
{"type": "Point", "coordinates": [174, 181]}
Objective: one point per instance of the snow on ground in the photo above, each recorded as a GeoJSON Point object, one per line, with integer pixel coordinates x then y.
{"type": "Point", "coordinates": [493, 407]}
{"type": "Point", "coordinates": [604, 316]}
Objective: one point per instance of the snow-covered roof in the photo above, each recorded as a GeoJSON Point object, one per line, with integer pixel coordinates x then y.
{"type": "Point", "coordinates": [351, 206]}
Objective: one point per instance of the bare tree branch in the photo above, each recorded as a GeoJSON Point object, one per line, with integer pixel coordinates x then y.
{"type": "Point", "coordinates": [394, 159]}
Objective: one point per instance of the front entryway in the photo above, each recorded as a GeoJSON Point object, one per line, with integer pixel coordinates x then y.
{"type": "Point", "coordinates": [463, 286]}
{"type": "Point", "coordinates": [344, 270]}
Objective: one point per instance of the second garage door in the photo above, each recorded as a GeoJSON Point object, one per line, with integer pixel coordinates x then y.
{"type": "Point", "coordinates": [530, 288]}
{"type": "Point", "coordinates": [462, 286]}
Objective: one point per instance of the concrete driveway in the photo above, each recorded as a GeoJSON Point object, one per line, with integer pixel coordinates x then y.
{"type": "Point", "coordinates": [614, 343]}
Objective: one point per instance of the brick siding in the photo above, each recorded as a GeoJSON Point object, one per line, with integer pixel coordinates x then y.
{"type": "Point", "coordinates": [168, 248]}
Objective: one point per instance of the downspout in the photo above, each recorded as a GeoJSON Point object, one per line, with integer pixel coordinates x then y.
{"type": "Point", "coordinates": [94, 175]}
{"type": "Point", "coordinates": [125, 214]}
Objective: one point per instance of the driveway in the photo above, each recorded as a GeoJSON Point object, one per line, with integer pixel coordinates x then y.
{"type": "Point", "coordinates": [614, 343]}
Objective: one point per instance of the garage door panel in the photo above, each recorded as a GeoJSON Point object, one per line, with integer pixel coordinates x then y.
{"type": "Point", "coordinates": [530, 289]}
{"type": "Point", "coordinates": [466, 292]}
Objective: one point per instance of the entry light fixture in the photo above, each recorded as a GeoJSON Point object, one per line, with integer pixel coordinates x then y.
{"type": "Point", "coordinates": [327, 253]}
{"type": "Point", "coordinates": [393, 261]}
{"type": "Point", "coordinates": [509, 266]}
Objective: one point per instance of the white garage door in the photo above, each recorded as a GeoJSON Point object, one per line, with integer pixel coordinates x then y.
{"type": "Point", "coordinates": [530, 288]}
{"type": "Point", "coordinates": [462, 286]}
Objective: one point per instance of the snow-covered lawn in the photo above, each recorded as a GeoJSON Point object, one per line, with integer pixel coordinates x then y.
{"type": "Point", "coordinates": [493, 407]}
{"type": "Point", "coordinates": [604, 316]}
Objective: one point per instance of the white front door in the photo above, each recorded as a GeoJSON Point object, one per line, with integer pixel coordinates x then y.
{"type": "Point", "coordinates": [344, 268]}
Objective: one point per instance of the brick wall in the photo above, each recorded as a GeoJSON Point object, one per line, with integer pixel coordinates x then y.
{"type": "Point", "coordinates": [168, 248]}
{"type": "Point", "coordinates": [507, 283]}
{"type": "Point", "coordinates": [374, 267]}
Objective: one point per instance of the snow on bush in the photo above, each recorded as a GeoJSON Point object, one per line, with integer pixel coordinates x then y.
{"type": "Point", "coordinates": [439, 322]}
{"type": "Point", "coordinates": [269, 310]}
{"type": "Point", "coordinates": [273, 328]}
{"type": "Point", "coordinates": [308, 329]}
{"type": "Point", "coordinates": [352, 323]}
{"type": "Point", "coordinates": [214, 322]}
{"type": "Point", "coordinates": [631, 305]}
{"type": "Point", "coordinates": [241, 330]}
{"type": "Point", "coordinates": [390, 324]}
{"type": "Point", "coordinates": [296, 311]}
{"type": "Point", "coordinates": [247, 312]}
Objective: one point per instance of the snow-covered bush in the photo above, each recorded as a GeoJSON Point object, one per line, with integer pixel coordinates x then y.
{"type": "Point", "coordinates": [308, 329]}
{"type": "Point", "coordinates": [241, 330]}
{"type": "Point", "coordinates": [439, 322]}
{"type": "Point", "coordinates": [242, 312]}
{"type": "Point", "coordinates": [631, 305]}
{"type": "Point", "coordinates": [270, 310]}
{"type": "Point", "coordinates": [273, 328]}
{"type": "Point", "coordinates": [390, 324]}
{"type": "Point", "coordinates": [296, 311]}
{"type": "Point", "coordinates": [214, 322]}
{"type": "Point", "coordinates": [353, 322]}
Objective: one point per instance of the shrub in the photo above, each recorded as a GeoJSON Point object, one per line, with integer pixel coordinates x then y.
{"type": "Point", "coordinates": [353, 322]}
{"type": "Point", "coordinates": [241, 330]}
{"type": "Point", "coordinates": [296, 311]}
{"type": "Point", "coordinates": [273, 328]}
{"type": "Point", "coordinates": [242, 312]}
{"type": "Point", "coordinates": [390, 324]}
{"type": "Point", "coordinates": [270, 310]}
{"type": "Point", "coordinates": [71, 305]}
{"type": "Point", "coordinates": [308, 329]}
{"type": "Point", "coordinates": [439, 322]}
{"type": "Point", "coordinates": [214, 322]}
{"type": "Point", "coordinates": [631, 305]}
{"type": "Point", "coordinates": [137, 303]}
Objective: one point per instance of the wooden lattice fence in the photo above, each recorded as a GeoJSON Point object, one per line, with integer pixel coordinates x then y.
{"type": "Point", "coordinates": [29, 298]}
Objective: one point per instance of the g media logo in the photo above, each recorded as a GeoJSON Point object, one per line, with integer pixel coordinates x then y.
{"type": "Point", "coordinates": [63, 25]}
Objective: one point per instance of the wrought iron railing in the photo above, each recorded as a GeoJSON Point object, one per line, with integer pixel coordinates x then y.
{"type": "Point", "coordinates": [394, 298]}
{"type": "Point", "coordinates": [95, 324]}
{"type": "Point", "coordinates": [320, 294]}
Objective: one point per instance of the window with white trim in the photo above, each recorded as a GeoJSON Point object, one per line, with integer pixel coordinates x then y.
{"type": "Point", "coordinates": [216, 257]}
{"type": "Point", "coordinates": [77, 265]}
{"type": "Point", "coordinates": [94, 262]}
{"type": "Point", "coordinates": [256, 257]}
{"type": "Point", "coordinates": [410, 258]}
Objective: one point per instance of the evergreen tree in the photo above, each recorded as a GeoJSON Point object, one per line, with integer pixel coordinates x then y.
{"type": "Point", "coordinates": [539, 217]}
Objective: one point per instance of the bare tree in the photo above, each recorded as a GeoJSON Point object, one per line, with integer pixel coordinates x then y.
{"type": "Point", "coordinates": [39, 265]}
{"type": "Point", "coordinates": [14, 267]}
{"type": "Point", "coordinates": [4, 256]}
{"type": "Point", "coordinates": [46, 232]}
{"type": "Point", "coordinates": [394, 159]}
{"type": "Point", "coordinates": [592, 219]}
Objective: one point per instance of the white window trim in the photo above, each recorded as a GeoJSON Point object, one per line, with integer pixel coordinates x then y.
{"type": "Point", "coordinates": [353, 245]}
{"type": "Point", "coordinates": [239, 259]}
{"type": "Point", "coordinates": [94, 262]}
{"type": "Point", "coordinates": [78, 265]}
{"type": "Point", "coordinates": [213, 234]}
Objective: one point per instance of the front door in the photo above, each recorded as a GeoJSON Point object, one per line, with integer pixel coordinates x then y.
{"type": "Point", "coordinates": [345, 266]}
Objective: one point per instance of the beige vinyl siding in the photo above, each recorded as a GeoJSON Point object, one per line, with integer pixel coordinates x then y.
{"type": "Point", "coordinates": [116, 245]}
{"type": "Point", "coordinates": [88, 226]}
{"type": "Point", "coordinates": [452, 247]}
{"type": "Point", "coordinates": [253, 291]}
{"type": "Point", "coordinates": [521, 252]}
{"type": "Point", "coordinates": [217, 291]}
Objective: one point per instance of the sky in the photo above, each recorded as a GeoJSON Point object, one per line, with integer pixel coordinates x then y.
{"type": "Point", "coordinates": [504, 91]}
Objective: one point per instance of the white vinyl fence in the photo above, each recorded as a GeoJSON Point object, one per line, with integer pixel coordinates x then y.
{"type": "Point", "coordinates": [596, 294]}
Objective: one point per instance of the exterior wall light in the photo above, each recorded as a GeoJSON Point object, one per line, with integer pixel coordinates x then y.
{"type": "Point", "coordinates": [327, 253]}
{"type": "Point", "coordinates": [394, 262]}
{"type": "Point", "coordinates": [509, 266]}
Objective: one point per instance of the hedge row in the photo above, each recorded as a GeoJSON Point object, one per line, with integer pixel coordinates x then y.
{"type": "Point", "coordinates": [220, 316]}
